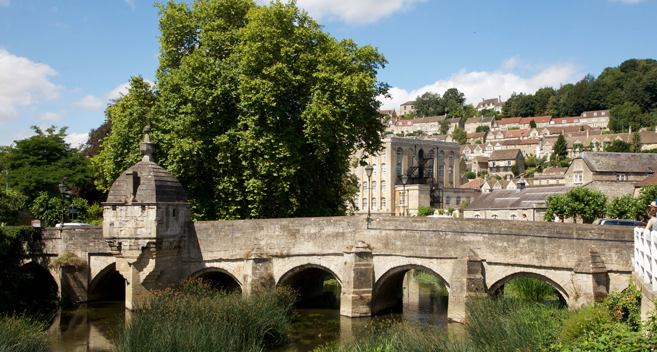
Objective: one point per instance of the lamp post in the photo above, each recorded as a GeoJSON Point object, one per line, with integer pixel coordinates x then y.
{"type": "Point", "coordinates": [62, 189]}
{"type": "Point", "coordinates": [369, 170]}
{"type": "Point", "coordinates": [404, 179]}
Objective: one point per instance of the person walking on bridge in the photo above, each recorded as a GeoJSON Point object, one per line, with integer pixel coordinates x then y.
{"type": "Point", "coordinates": [652, 214]}
{"type": "Point", "coordinates": [556, 217]}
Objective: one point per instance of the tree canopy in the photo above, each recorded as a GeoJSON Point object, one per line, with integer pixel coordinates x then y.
{"type": "Point", "coordinates": [560, 149]}
{"type": "Point", "coordinates": [452, 102]}
{"type": "Point", "coordinates": [459, 135]}
{"type": "Point", "coordinates": [579, 202]}
{"type": "Point", "coordinates": [256, 112]}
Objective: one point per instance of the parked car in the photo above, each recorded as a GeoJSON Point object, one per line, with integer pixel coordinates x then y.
{"type": "Point", "coordinates": [622, 222]}
{"type": "Point", "coordinates": [73, 224]}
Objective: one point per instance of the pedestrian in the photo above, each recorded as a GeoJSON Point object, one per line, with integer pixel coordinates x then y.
{"type": "Point", "coordinates": [524, 217]}
{"type": "Point", "coordinates": [556, 217]}
{"type": "Point", "coordinates": [652, 213]}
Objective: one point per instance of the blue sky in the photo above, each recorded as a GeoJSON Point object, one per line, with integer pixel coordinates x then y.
{"type": "Point", "coordinates": [61, 61]}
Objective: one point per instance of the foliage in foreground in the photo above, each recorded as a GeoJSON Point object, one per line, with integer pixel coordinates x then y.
{"type": "Point", "coordinates": [197, 318]}
{"type": "Point", "coordinates": [530, 289]}
{"type": "Point", "coordinates": [22, 334]}
{"type": "Point", "coordinates": [13, 241]}
{"type": "Point", "coordinates": [578, 202]}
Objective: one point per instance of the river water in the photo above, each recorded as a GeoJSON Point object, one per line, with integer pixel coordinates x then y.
{"type": "Point", "coordinates": [89, 327]}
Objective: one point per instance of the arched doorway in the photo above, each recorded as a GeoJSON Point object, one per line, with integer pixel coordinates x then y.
{"type": "Point", "coordinates": [107, 285]}
{"type": "Point", "coordinates": [317, 286]}
{"type": "Point", "coordinates": [531, 286]}
{"type": "Point", "coordinates": [39, 290]}
{"type": "Point", "coordinates": [413, 290]}
{"type": "Point", "coordinates": [219, 279]}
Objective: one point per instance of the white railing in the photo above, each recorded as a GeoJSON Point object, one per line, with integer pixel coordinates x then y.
{"type": "Point", "coordinates": [645, 255]}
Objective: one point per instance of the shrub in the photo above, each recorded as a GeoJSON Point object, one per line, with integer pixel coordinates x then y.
{"type": "Point", "coordinates": [425, 211]}
{"type": "Point", "coordinates": [582, 322]}
{"type": "Point", "coordinates": [68, 259]}
{"type": "Point", "coordinates": [195, 317]}
{"type": "Point", "coordinates": [470, 175]}
{"type": "Point", "coordinates": [22, 334]}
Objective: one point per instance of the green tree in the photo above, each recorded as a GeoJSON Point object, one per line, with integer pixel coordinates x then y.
{"type": "Point", "coordinates": [556, 203]}
{"type": "Point", "coordinates": [515, 169]}
{"type": "Point", "coordinates": [11, 203]}
{"type": "Point", "coordinates": [470, 175]}
{"type": "Point", "coordinates": [429, 104]}
{"type": "Point", "coordinates": [532, 124]}
{"type": "Point", "coordinates": [444, 126]}
{"type": "Point", "coordinates": [48, 209]}
{"type": "Point", "coordinates": [257, 110]}
{"type": "Point", "coordinates": [425, 211]}
{"type": "Point", "coordinates": [625, 207]}
{"type": "Point", "coordinates": [621, 117]}
{"type": "Point", "coordinates": [459, 135]}
{"type": "Point", "coordinates": [636, 145]}
{"type": "Point", "coordinates": [647, 196]}
{"type": "Point", "coordinates": [618, 146]}
{"type": "Point", "coordinates": [39, 163]}
{"type": "Point", "coordinates": [585, 204]}
{"type": "Point", "coordinates": [483, 128]}
{"type": "Point", "coordinates": [560, 149]}
{"type": "Point", "coordinates": [452, 99]}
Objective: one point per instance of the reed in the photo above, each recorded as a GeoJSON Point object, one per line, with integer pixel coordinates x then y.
{"type": "Point", "coordinates": [21, 333]}
{"type": "Point", "coordinates": [196, 317]}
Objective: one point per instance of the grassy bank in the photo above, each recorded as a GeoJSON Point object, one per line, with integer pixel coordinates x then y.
{"type": "Point", "coordinates": [198, 318]}
{"type": "Point", "coordinates": [22, 334]}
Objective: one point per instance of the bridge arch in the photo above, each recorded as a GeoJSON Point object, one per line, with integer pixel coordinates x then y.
{"type": "Point", "coordinates": [108, 284]}
{"type": "Point", "coordinates": [41, 286]}
{"type": "Point", "coordinates": [561, 291]}
{"type": "Point", "coordinates": [219, 278]}
{"type": "Point", "coordinates": [308, 280]}
{"type": "Point", "coordinates": [388, 289]}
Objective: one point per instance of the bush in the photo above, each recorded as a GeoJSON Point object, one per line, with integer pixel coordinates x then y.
{"type": "Point", "coordinates": [197, 318]}
{"type": "Point", "coordinates": [425, 211]}
{"type": "Point", "coordinates": [22, 334]}
{"type": "Point", "coordinates": [68, 259]}
{"type": "Point", "coordinates": [580, 323]}
{"type": "Point", "coordinates": [470, 175]}
{"type": "Point", "coordinates": [14, 242]}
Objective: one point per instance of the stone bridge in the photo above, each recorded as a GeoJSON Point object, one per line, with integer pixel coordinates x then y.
{"type": "Point", "coordinates": [149, 242]}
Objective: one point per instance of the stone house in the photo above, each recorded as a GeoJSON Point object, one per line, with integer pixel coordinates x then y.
{"type": "Point", "coordinates": [479, 163]}
{"type": "Point", "coordinates": [517, 134]}
{"type": "Point", "coordinates": [549, 177]}
{"type": "Point", "coordinates": [615, 174]}
{"type": "Point", "coordinates": [406, 107]}
{"type": "Point", "coordinates": [472, 123]}
{"type": "Point", "coordinates": [491, 104]}
{"type": "Point", "coordinates": [475, 137]}
{"type": "Point", "coordinates": [502, 161]}
{"type": "Point", "coordinates": [597, 118]}
{"type": "Point", "coordinates": [540, 121]}
{"type": "Point", "coordinates": [506, 123]}
{"type": "Point", "coordinates": [512, 204]}
{"type": "Point", "coordinates": [495, 135]}
{"type": "Point", "coordinates": [392, 113]}
{"type": "Point", "coordinates": [491, 184]}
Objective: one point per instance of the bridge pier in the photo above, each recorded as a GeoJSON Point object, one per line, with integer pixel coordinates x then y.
{"type": "Point", "coordinates": [467, 281]}
{"type": "Point", "coordinates": [73, 283]}
{"type": "Point", "coordinates": [258, 270]}
{"type": "Point", "coordinates": [590, 279]}
{"type": "Point", "coordinates": [358, 281]}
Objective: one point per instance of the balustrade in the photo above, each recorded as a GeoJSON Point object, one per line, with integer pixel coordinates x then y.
{"type": "Point", "coordinates": [645, 255]}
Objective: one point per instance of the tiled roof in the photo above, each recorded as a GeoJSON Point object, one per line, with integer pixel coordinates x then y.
{"type": "Point", "coordinates": [476, 135]}
{"type": "Point", "coordinates": [487, 119]}
{"type": "Point", "coordinates": [553, 171]}
{"type": "Point", "coordinates": [509, 120]}
{"type": "Point", "coordinates": [562, 120]}
{"type": "Point", "coordinates": [587, 114]}
{"type": "Point", "coordinates": [530, 141]}
{"type": "Point", "coordinates": [476, 183]}
{"type": "Point", "coordinates": [649, 181]}
{"type": "Point", "coordinates": [473, 120]}
{"type": "Point", "coordinates": [537, 119]}
{"type": "Point", "coordinates": [517, 133]}
{"type": "Point", "coordinates": [507, 154]}
{"type": "Point", "coordinates": [620, 162]}
{"type": "Point", "coordinates": [410, 102]}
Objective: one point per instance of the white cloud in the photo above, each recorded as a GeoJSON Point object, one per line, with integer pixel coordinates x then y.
{"type": "Point", "coordinates": [628, 1]}
{"type": "Point", "coordinates": [131, 3]}
{"type": "Point", "coordinates": [54, 116]}
{"type": "Point", "coordinates": [477, 85]}
{"type": "Point", "coordinates": [4, 2]}
{"type": "Point", "coordinates": [23, 83]}
{"type": "Point", "coordinates": [91, 102]}
{"type": "Point", "coordinates": [76, 139]}
{"type": "Point", "coordinates": [353, 11]}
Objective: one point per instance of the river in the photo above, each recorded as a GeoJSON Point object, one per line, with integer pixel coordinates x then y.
{"type": "Point", "coordinates": [89, 327]}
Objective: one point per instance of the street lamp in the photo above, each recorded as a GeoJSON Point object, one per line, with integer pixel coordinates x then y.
{"type": "Point", "coordinates": [404, 179]}
{"type": "Point", "coordinates": [62, 189]}
{"type": "Point", "coordinates": [369, 170]}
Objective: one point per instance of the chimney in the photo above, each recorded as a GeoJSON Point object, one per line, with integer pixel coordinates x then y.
{"type": "Point", "coordinates": [508, 177]}
{"type": "Point", "coordinates": [587, 133]}
{"type": "Point", "coordinates": [482, 100]}
{"type": "Point", "coordinates": [499, 98]}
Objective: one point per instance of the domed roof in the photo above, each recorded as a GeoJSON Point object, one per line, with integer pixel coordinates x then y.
{"type": "Point", "coordinates": [146, 181]}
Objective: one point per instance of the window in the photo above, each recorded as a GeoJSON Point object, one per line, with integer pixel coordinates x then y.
{"type": "Point", "coordinates": [356, 203]}
{"type": "Point", "coordinates": [489, 147]}
{"type": "Point", "coordinates": [458, 200]}
{"type": "Point", "coordinates": [476, 216]}
{"type": "Point", "coordinates": [577, 178]}
{"type": "Point", "coordinates": [383, 203]}
{"type": "Point", "coordinates": [383, 187]}
{"type": "Point", "coordinates": [508, 169]}
{"type": "Point", "coordinates": [620, 177]}
{"type": "Point", "coordinates": [595, 114]}
{"type": "Point", "coordinates": [602, 113]}
{"type": "Point", "coordinates": [448, 199]}
{"type": "Point", "coordinates": [399, 161]}
{"type": "Point", "coordinates": [373, 203]}
{"type": "Point", "coordinates": [494, 217]}
{"type": "Point", "coordinates": [468, 200]}
{"type": "Point", "coordinates": [399, 152]}
{"type": "Point", "coordinates": [364, 186]}
{"type": "Point", "coordinates": [364, 203]}
{"type": "Point", "coordinates": [374, 169]}
{"type": "Point", "coordinates": [584, 114]}
{"type": "Point", "coordinates": [508, 162]}
{"type": "Point", "coordinates": [494, 164]}
{"type": "Point", "coordinates": [373, 189]}
{"type": "Point", "coordinates": [441, 185]}
{"type": "Point", "coordinates": [383, 169]}
{"type": "Point", "coordinates": [431, 154]}
{"type": "Point", "coordinates": [513, 217]}
{"type": "Point", "coordinates": [441, 170]}
{"type": "Point", "coordinates": [576, 120]}
{"type": "Point", "coordinates": [547, 182]}
{"type": "Point", "coordinates": [451, 170]}
{"type": "Point", "coordinates": [383, 152]}
{"type": "Point", "coordinates": [451, 156]}
{"type": "Point", "coordinates": [451, 185]}
{"type": "Point", "coordinates": [401, 198]}
{"type": "Point", "coordinates": [551, 122]}
{"type": "Point", "coordinates": [441, 155]}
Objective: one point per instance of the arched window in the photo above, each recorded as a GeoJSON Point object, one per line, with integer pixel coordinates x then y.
{"type": "Point", "coordinates": [399, 152]}
{"type": "Point", "coordinates": [494, 217]}
{"type": "Point", "coordinates": [513, 217]}
{"type": "Point", "coordinates": [373, 189]}
{"type": "Point", "coordinates": [383, 188]}
{"type": "Point", "coordinates": [374, 169]}
{"type": "Point", "coordinates": [383, 152]}
{"type": "Point", "coordinates": [365, 186]}
{"type": "Point", "coordinates": [451, 170]}
{"type": "Point", "coordinates": [431, 154]}
{"type": "Point", "coordinates": [451, 155]}
{"type": "Point", "coordinates": [468, 200]}
{"type": "Point", "coordinates": [373, 203]}
{"type": "Point", "coordinates": [441, 155]}
{"type": "Point", "coordinates": [383, 203]}
{"type": "Point", "coordinates": [441, 170]}
{"type": "Point", "coordinates": [356, 203]}
{"type": "Point", "coordinates": [364, 203]}
{"type": "Point", "coordinates": [399, 161]}
{"type": "Point", "coordinates": [383, 169]}
{"type": "Point", "coordinates": [441, 185]}
{"type": "Point", "coordinates": [476, 216]}
{"type": "Point", "coordinates": [448, 199]}
{"type": "Point", "coordinates": [458, 200]}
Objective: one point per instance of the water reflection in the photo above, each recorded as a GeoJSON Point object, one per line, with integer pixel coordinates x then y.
{"type": "Point", "coordinates": [88, 327]}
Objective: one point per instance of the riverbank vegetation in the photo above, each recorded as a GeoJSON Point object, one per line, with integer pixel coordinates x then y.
{"type": "Point", "coordinates": [22, 334]}
{"type": "Point", "coordinates": [196, 317]}
{"type": "Point", "coordinates": [508, 323]}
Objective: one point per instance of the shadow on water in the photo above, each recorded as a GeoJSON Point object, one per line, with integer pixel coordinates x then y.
{"type": "Point", "coordinates": [317, 320]}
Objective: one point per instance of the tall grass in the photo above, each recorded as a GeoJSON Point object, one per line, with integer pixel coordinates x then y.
{"type": "Point", "coordinates": [22, 334]}
{"type": "Point", "coordinates": [531, 289]}
{"type": "Point", "coordinates": [197, 318]}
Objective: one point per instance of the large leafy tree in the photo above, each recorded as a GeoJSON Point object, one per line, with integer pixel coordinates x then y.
{"type": "Point", "coordinates": [459, 135]}
{"type": "Point", "coordinates": [39, 163]}
{"type": "Point", "coordinates": [257, 110]}
{"type": "Point", "coordinates": [579, 202]}
{"type": "Point", "coordinates": [560, 149]}
{"type": "Point", "coordinates": [621, 117]}
{"type": "Point", "coordinates": [429, 104]}
{"type": "Point", "coordinates": [11, 203]}
{"type": "Point", "coordinates": [625, 207]}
